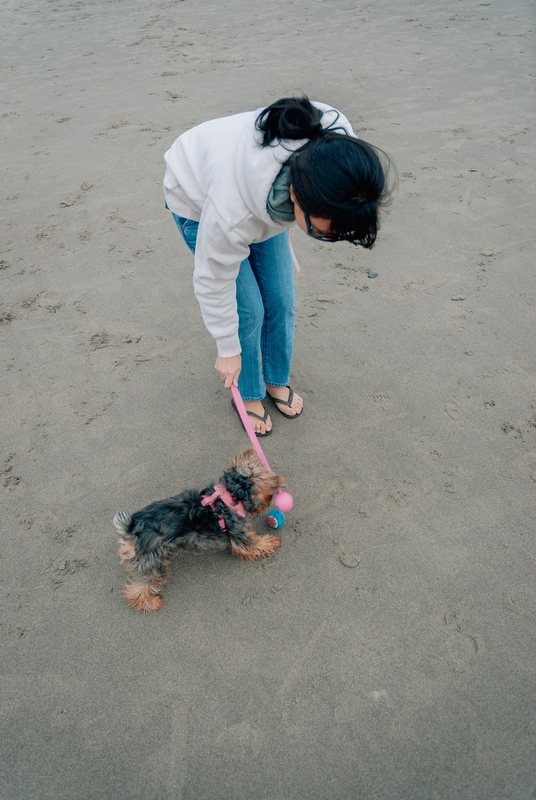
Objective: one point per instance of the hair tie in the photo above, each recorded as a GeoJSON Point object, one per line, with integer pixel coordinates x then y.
{"type": "Point", "coordinates": [315, 130]}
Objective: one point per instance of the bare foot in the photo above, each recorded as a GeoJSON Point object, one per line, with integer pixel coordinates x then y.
{"type": "Point", "coordinates": [256, 407]}
{"type": "Point", "coordinates": [283, 393]}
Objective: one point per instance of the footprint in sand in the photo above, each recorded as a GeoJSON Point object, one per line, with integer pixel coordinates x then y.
{"type": "Point", "coordinates": [454, 411]}
{"type": "Point", "coordinates": [349, 560]}
{"type": "Point", "coordinates": [461, 647]}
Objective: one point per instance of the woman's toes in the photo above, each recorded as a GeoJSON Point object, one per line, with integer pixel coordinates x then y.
{"type": "Point", "coordinates": [258, 416]}
{"type": "Point", "coordinates": [287, 401]}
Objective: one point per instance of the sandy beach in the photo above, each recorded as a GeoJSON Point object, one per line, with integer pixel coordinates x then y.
{"type": "Point", "coordinates": [386, 652]}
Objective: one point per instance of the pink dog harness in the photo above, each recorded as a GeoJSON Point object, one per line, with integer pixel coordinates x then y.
{"type": "Point", "coordinates": [223, 494]}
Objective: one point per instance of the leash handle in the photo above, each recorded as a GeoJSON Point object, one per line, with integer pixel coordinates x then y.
{"type": "Point", "coordinates": [239, 403]}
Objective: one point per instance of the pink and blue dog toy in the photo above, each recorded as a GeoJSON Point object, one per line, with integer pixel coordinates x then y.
{"type": "Point", "coordinates": [283, 501]}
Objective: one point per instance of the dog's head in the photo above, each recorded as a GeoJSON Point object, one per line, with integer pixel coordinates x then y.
{"type": "Point", "coordinates": [249, 481]}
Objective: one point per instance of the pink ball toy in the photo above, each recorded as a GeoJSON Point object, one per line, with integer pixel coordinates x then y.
{"type": "Point", "coordinates": [283, 501]}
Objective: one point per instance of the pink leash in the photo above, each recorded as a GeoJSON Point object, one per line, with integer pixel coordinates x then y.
{"type": "Point", "coordinates": [283, 500]}
{"type": "Point", "coordinates": [239, 403]}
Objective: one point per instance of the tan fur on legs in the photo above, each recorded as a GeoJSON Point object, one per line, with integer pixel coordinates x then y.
{"type": "Point", "coordinates": [141, 597]}
{"type": "Point", "coordinates": [127, 551]}
{"type": "Point", "coordinates": [257, 547]}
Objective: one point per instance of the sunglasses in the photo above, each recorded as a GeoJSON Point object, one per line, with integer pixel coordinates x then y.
{"type": "Point", "coordinates": [331, 239]}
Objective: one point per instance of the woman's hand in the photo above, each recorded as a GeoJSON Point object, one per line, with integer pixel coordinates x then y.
{"type": "Point", "coordinates": [229, 369]}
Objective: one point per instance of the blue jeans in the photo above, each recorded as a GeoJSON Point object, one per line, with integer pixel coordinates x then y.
{"type": "Point", "coordinates": [266, 303]}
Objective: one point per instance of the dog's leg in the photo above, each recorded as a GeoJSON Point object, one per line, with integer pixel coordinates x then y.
{"type": "Point", "coordinates": [256, 547]}
{"type": "Point", "coordinates": [142, 591]}
{"type": "Point", "coordinates": [143, 596]}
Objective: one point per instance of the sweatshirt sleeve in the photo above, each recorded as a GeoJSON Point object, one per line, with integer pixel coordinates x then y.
{"type": "Point", "coordinates": [218, 255]}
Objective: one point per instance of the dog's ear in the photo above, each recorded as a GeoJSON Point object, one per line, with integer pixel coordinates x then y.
{"type": "Point", "coordinates": [240, 485]}
{"type": "Point", "coordinates": [251, 482]}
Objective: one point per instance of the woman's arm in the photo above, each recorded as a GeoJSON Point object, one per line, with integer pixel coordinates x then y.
{"type": "Point", "coordinates": [218, 254]}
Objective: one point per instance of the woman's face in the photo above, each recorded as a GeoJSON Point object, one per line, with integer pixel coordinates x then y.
{"type": "Point", "coordinates": [319, 226]}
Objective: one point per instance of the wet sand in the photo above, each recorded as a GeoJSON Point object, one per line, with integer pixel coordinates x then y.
{"type": "Point", "coordinates": [386, 652]}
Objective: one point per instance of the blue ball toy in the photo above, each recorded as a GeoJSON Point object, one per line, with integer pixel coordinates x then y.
{"type": "Point", "coordinates": [276, 518]}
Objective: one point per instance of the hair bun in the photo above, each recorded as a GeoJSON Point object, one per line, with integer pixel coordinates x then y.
{"type": "Point", "coordinates": [289, 119]}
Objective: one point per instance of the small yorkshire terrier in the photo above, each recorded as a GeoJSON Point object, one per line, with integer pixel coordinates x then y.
{"type": "Point", "coordinates": [206, 521]}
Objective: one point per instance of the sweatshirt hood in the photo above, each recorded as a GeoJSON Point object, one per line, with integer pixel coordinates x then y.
{"type": "Point", "coordinates": [257, 167]}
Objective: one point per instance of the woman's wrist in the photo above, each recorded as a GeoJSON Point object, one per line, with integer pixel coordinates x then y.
{"type": "Point", "coordinates": [229, 369]}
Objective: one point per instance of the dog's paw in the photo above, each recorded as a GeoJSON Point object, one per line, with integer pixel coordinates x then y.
{"type": "Point", "coordinates": [257, 546]}
{"type": "Point", "coordinates": [267, 545]}
{"type": "Point", "coordinates": [140, 597]}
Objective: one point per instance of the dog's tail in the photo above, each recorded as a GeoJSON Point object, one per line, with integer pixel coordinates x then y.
{"type": "Point", "coordinates": [122, 522]}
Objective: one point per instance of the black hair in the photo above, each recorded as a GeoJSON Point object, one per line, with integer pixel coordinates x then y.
{"type": "Point", "coordinates": [334, 175]}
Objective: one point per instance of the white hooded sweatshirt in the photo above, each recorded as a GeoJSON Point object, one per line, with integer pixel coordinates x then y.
{"type": "Point", "coordinates": [219, 175]}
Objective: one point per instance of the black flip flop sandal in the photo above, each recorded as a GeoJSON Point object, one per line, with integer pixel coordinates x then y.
{"type": "Point", "coordinates": [252, 414]}
{"type": "Point", "coordinates": [278, 401]}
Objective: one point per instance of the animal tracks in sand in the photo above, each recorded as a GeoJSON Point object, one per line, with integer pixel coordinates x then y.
{"type": "Point", "coordinates": [462, 316]}
{"type": "Point", "coordinates": [41, 305]}
{"type": "Point", "coordinates": [10, 481]}
{"type": "Point", "coordinates": [399, 496]}
{"type": "Point", "coordinates": [129, 348]}
{"type": "Point", "coordinates": [64, 567]}
{"type": "Point", "coordinates": [102, 339]}
{"type": "Point", "coordinates": [466, 405]}
{"type": "Point", "coordinates": [379, 402]}
{"type": "Point", "coordinates": [64, 535]}
{"type": "Point", "coordinates": [459, 406]}
{"type": "Point", "coordinates": [60, 542]}
{"type": "Point", "coordinates": [90, 405]}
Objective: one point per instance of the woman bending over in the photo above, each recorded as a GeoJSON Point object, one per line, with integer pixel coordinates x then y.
{"type": "Point", "coordinates": [234, 187]}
